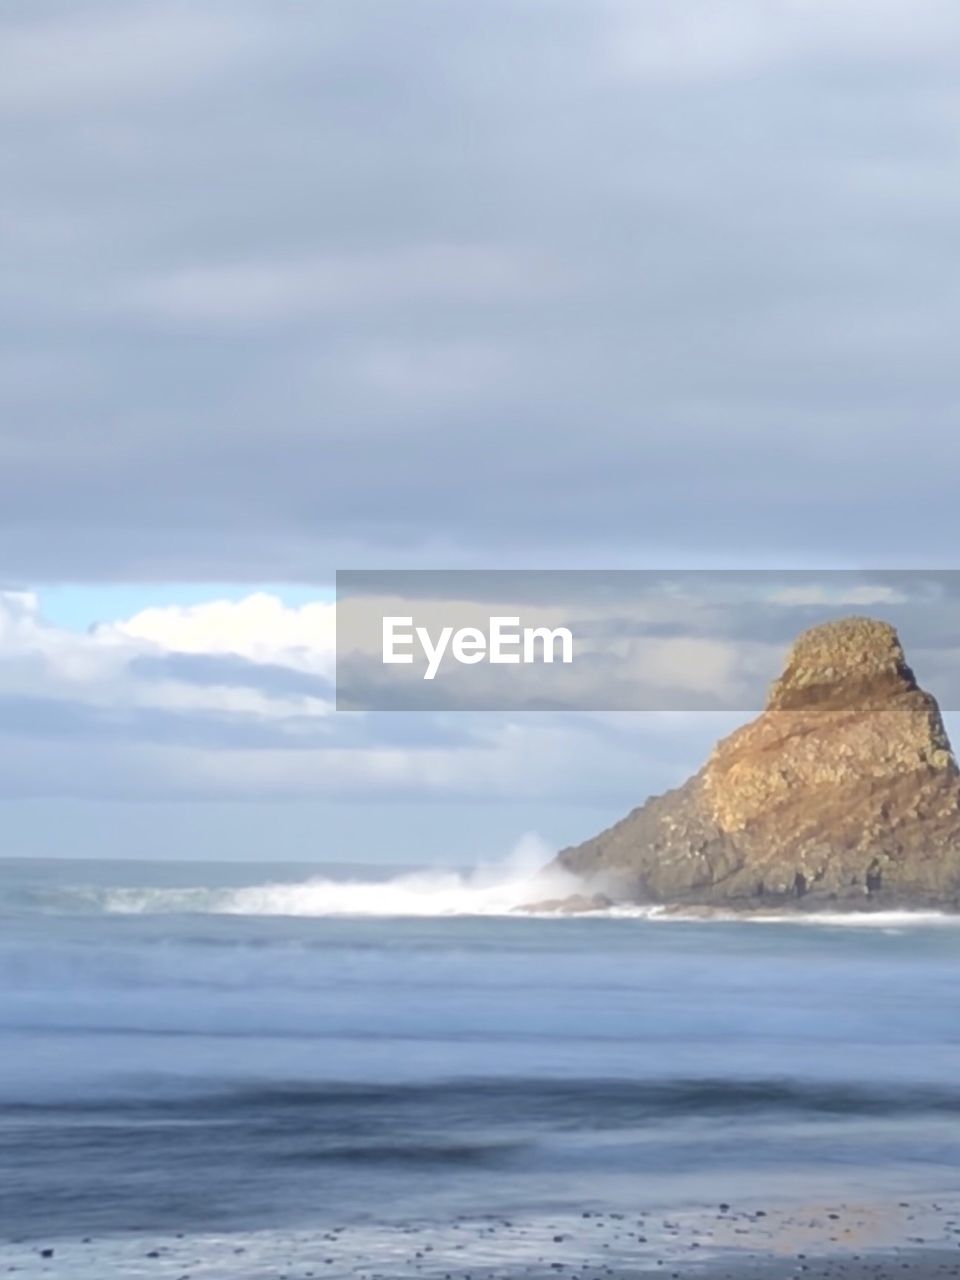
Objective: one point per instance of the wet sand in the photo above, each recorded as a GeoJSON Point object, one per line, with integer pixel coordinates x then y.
{"type": "Point", "coordinates": [846, 1241]}
{"type": "Point", "coordinates": [921, 1267]}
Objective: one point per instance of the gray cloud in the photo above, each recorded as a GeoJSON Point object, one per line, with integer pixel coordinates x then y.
{"type": "Point", "coordinates": [231, 672]}
{"type": "Point", "coordinates": [287, 286]}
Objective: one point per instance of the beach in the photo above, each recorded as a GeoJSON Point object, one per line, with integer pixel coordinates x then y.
{"type": "Point", "coordinates": [855, 1242]}
{"type": "Point", "coordinates": [241, 1072]}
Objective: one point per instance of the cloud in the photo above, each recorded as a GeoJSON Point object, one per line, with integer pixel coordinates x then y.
{"type": "Point", "coordinates": [134, 662]}
{"type": "Point", "coordinates": [697, 40]}
{"type": "Point", "coordinates": [287, 288]}
{"type": "Point", "coordinates": [111, 56]}
{"type": "Point", "coordinates": [259, 294]}
{"type": "Point", "coordinates": [227, 671]}
{"type": "Point", "coordinates": [573, 285]}
{"type": "Point", "coordinates": [876, 595]}
{"type": "Point", "coordinates": [260, 628]}
{"type": "Point", "coordinates": [232, 701]}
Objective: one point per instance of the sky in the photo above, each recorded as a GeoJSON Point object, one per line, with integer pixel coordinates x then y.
{"type": "Point", "coordinates": [287, 288]}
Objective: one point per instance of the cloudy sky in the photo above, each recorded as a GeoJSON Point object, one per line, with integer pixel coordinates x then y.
{"type": "Point", "coordinates": [286, 288]}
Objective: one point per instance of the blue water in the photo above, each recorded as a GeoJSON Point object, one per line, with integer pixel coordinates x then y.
{"type": "Point", "coordinates": [176, 1056]}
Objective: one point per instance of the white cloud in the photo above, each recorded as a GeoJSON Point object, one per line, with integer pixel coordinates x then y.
{"type": "Point", "coordinates": [86, 719]}
{"type": "Point", "coordinates": [260, 628]}
{"type": "Point", "coordinates": [98, 668]}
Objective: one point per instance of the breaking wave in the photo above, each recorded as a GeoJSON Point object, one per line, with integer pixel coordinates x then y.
{"type": "Point", "coordinates": [488, 890]}
{"type": "Point", "coordinates": [524, 884]}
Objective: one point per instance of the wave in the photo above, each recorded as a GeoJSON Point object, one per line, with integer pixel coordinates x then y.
{"type": "Point", "coordinates": [489, 890]}
{"type": "Point", "coordinates": [866, 919]}
{"type": "Point", "coordinates": [507, 890]}
{"type": "Point", "coordinates": [591, 1103]}
{"type": "Point", "coordinates": [511, 887]}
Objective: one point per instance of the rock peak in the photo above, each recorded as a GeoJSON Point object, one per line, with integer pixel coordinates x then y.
{"type": "Point", "coordinates": [843, 791]}
{"type": "Point", "coordinates": [852, 662]}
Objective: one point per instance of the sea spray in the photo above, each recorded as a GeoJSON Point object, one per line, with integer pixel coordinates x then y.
{"type": "Point", "coordinates": [490, 889]}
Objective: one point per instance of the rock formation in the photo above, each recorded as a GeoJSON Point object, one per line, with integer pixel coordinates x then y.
{"type": "Point", "coordinates": [844, 792]}
{"type": "Point", "coordinates": [577, 904]}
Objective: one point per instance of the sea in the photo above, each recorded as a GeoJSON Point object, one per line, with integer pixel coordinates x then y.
{"type": "Point", "coordinates": [233, 1070]}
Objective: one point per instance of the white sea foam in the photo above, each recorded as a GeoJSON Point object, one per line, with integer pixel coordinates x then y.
{"type": "Point", "coordinates": [488, 890]}
{"type": "Point", "coordinates": [865, 919]}
{"type": "Point", "coordinates": [888, 920]}
{"type": "Point", "coordinates": [511, 887]}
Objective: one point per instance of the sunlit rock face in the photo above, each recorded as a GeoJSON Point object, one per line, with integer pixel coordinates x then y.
{"type": "Point", "coordinates": [843, 792]}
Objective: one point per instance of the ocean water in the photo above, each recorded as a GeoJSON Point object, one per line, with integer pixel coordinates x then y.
{"type": "Point", "coordinates": [257, 1054]}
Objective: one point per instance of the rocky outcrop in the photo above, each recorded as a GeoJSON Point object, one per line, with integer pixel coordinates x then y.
{"type": "Point", "coordinates": [577, 904]}
{"type": "Point", "coordinates": [843, 792]}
